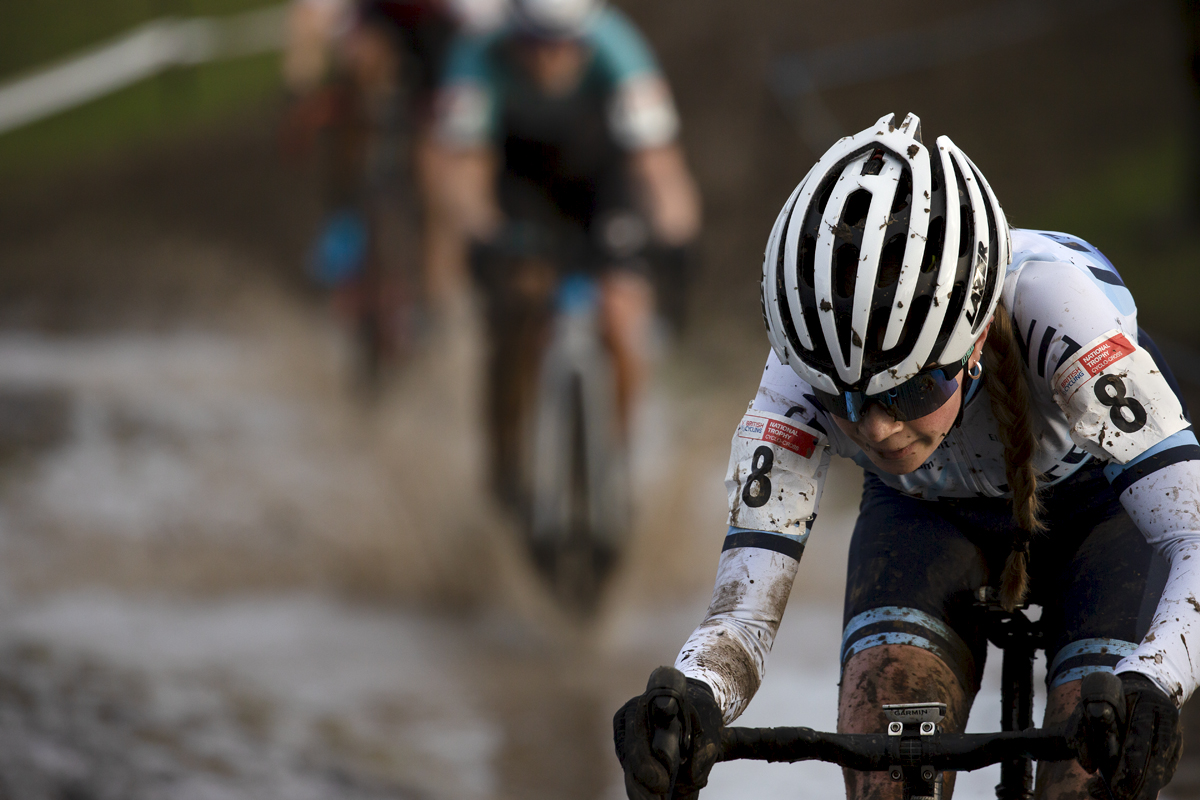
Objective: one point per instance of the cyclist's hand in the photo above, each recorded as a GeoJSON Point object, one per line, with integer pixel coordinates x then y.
{"type": "Point", "coordinates": [1127, 728]}
{"type": "Point", "coordinates": [668, 738]}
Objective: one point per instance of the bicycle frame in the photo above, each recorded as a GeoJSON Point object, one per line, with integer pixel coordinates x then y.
{"type": "Point", "coordinates": [1019, 639]}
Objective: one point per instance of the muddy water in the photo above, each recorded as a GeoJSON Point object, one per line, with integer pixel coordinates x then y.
{"type": "Point", "coordinates": [225, 574]}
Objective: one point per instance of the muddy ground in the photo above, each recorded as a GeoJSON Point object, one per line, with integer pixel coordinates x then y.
{"type": "Point", "coordinates": [225, 574]}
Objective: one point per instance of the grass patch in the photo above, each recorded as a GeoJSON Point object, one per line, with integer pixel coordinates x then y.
{"type": "Point", "coordinates": [37, 32]}
{"type": "Point", "coordinates": [169, 104]}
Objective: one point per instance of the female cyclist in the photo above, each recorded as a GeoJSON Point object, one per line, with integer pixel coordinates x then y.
{"type": "Point", "coordinates": [1016, 430]}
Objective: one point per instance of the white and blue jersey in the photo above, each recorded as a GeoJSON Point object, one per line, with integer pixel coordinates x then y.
{"type": "Point", "coordinates": [1096, 397]}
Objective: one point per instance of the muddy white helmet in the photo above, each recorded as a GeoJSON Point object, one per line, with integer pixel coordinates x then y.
{"type": "Point", "coordinates": [556, 19]}
{"type": "Point", "coordinates": [885, 263]}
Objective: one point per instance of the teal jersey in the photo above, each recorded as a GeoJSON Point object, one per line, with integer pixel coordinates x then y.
{"type": "Point", "coordinates": [480, 74]}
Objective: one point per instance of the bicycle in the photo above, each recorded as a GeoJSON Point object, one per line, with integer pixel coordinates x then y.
{"type": "Point", "coordinates": [560, 461]}
{"type": "Point", "coordinates": [364, 253]}
{"type": "Point", "coordinates": [579, 497]}
{"type": "Point", "coordinates": [913, 751]}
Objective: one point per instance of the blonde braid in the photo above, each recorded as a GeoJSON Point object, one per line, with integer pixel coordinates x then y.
{"type": "Point", "coordinates": [1004, 380]}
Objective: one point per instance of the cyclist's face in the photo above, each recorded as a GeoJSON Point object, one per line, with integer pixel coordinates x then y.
{"type": "Point", "coordinates": [899, 447]}
{"type": "Point", "coordinates": [555, 66]}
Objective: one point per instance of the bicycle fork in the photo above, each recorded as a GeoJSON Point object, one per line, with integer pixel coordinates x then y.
{"type": "Point", "coordinates": [1016, 704]}
{"type": "Point", "coordinates": [1019, 639]}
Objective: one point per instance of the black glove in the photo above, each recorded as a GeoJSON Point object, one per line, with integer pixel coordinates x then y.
{"type": "Point", "coordinates": [1127, 728]}
{"type": "Point", "coordinates": [668, 738]}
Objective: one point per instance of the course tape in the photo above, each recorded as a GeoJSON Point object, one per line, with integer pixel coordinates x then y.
{"type": "Point", "coordinates": [135, 56]}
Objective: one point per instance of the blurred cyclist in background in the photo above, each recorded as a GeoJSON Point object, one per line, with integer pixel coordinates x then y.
{"type": "Point", "coordinates": [362, 75]}
{"type": "Point", "coordinates": [561, 125]}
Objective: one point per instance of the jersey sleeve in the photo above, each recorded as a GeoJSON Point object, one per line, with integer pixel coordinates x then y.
{"type": "Point", "coordinates": [1165, 505]}
{"type": "Point", "coordinates": [729, 649]}
{"type": "Point", "coordinates": [777, 466]}
{"type": "Point", "coordinates": [1119, 403]}
{"type": "Point", "coordinates": [1080, 341]}
{"type": "Point", "coordinates": [1077, 328]}
{"type": "Point", "coordinates": [641, 112]}
{"type": "Point", "coordinates": [778, 457]}
{"type": "Point", "coordinates": [466, 99]}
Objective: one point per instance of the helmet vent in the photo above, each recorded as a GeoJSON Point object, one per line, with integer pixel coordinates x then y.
{"type": "Point", "coordinates": [903, 192]}
{"type": "Point", "coordinates": [876, 329]}
{"type": "Point", "coordinates": [957, 295]}
{"type": "Point", "coordinates": [912, 327]}
{"type": "Point", "coordinates": [857, 206]}
{"type": "Point", "coordinates": [789, 327]}
{"type": "Point", "coordinates": [935, 236]}
{"type": "Point", "coordinates": [992, 264]}
{"type": "Point", "coordinates": [890, 261]}
{"type": "Point", "coordinates": [845, 270]}
{"type": "Point", "coordinates": [808, 257]}
{"type": "Point", "coordinates": [874, 164]}
{"type": "Point", "coordinates": [934, 242]}
{"type": "Point", "coordinates": [823, 200]}
{"type": "Point", "coordinates": [820, 351]}
{"type": "Point", "coordinates": [876, 358]}
{"type": "Point", "coordinates": [966, 236]}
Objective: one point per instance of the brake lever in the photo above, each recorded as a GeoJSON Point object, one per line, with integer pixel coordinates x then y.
{"type": "Point", "coordinates": [667, 688]}
{"type": "Point", "coordinates": [1103, 701]}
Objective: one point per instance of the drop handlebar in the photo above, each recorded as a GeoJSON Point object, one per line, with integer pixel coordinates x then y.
{"type": "Point", "coordinates": [871, 751]}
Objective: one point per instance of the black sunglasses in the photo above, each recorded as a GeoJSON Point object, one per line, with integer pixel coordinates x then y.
{"type": "Point", "coordinates": [918, 396]}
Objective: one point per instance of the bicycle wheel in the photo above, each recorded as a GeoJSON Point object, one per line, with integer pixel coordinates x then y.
{"type": "Point", "coordinates": [579, 485]}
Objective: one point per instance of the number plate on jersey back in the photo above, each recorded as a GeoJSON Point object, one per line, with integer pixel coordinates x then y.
{"type": "Point", "coordinates": [772, 477]}
{"type": "Point", "coordinates": [1117, 400]}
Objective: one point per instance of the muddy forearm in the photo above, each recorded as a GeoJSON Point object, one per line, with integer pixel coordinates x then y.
{"type": "Point", "coordinates": [1168, 653]}
{"type": "Point", "coordinates": [1165, 505]}
{"type": "Point", "coordinates": [728, 651]}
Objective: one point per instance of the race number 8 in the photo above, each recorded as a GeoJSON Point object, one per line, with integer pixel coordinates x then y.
{"type": "Point", "coordinates": [757, 490]}
{"type": "Point", "coordinates": [1111, 392]}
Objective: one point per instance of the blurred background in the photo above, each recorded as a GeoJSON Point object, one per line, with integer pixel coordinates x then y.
{"type": "Point", "coordinates": [227, 573]}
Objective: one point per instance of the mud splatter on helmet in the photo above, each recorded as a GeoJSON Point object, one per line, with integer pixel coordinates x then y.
{"type": "Point", "coordinates": [886, 260]}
